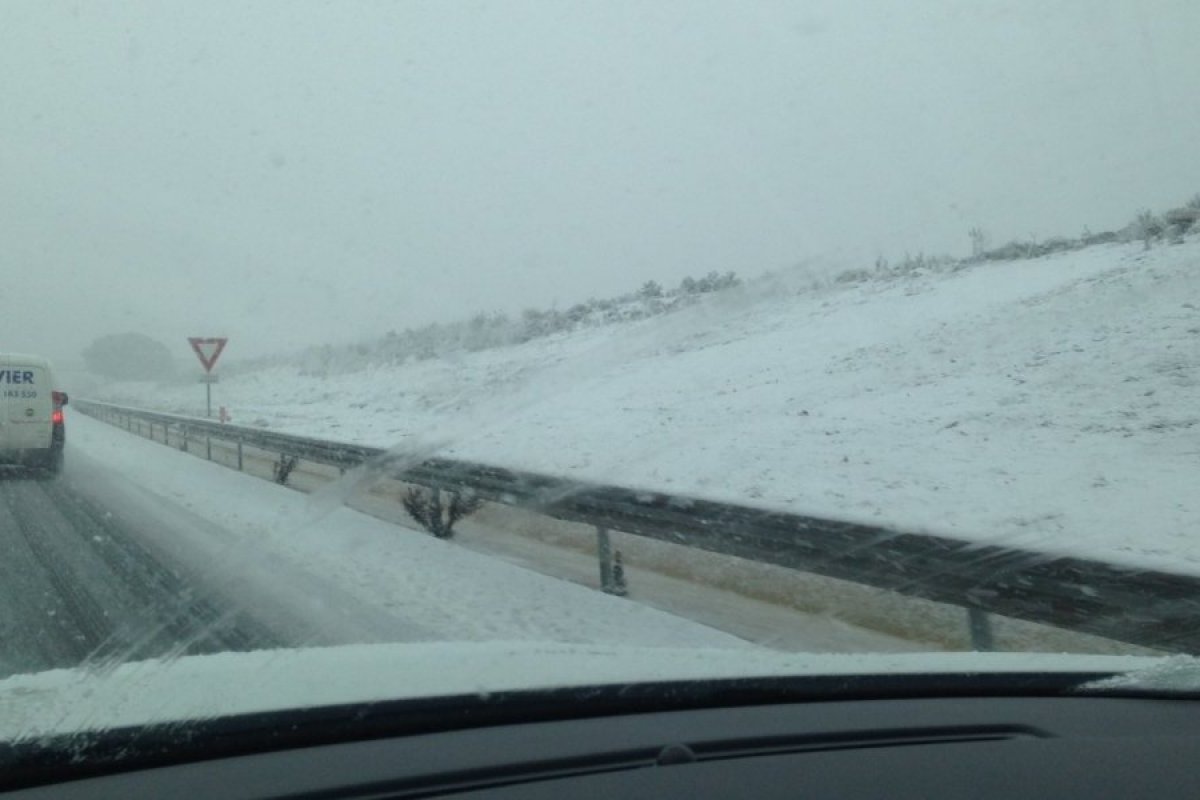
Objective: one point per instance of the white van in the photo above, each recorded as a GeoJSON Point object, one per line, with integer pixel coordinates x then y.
{"type": "Point", "coordinates": [32, 432]}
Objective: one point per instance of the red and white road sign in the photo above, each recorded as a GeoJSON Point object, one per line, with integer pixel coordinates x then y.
{"type": "Point", "coordinates": [208, 350]}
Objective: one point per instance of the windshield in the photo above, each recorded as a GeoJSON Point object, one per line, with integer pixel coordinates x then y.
{"type": "Point", "coordinates": [543, 343]}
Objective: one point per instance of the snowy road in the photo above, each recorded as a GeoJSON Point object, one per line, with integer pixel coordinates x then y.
{"type": "Point", "coordinates": [97, 569]}
{"type": "Point", "coordinates": [139, 551]}
{"type": "Point", "coordinates": [78, 582]}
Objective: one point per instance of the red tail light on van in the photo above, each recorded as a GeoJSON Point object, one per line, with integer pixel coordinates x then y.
{"type": "Point", "coordinates": [60, 400]}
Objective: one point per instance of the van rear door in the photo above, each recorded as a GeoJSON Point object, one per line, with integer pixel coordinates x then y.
{"type": "Point", "coordinates": [27, 406]}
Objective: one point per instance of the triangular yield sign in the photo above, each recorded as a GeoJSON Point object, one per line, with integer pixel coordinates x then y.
{"type": "Point", "coordinates": [208, 350]}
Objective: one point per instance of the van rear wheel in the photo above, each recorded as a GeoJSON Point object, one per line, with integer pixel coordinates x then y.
{"type": "Point", "coordinates": [51, 464]}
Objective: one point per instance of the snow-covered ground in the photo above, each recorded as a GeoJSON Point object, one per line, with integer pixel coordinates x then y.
{"type": "Point", "coordinates": [1049, 403]}
{"type": "Point", "coordinates": [271, 544]}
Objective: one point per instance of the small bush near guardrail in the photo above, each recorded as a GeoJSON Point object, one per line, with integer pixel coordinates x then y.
{"type": "Point", "coordinates": [425, 506]}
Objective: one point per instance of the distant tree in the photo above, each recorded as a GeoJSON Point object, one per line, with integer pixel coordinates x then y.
{"type": "Point", "coordinates": [129, 357]}
{"type": "Point", "coordinates": [1103, 237]}
{"type": "Point", "coordinates": [720, 283]}
{"type": "Point", "coordinates": [1148, 228]}
{"type": "Point", "coordinates": [1180, 221]}
{"type": "Point", "coordinates": [651, 289]}
{"type": "Point", "coordinates": [1012, 251]}
{"type": "Point", "coordinates": [476, 335]}
{"type": "Point", "coordinates": [536, 323]}
{"type": "Point", "coordinates": [911, 264]}
{"type": "Point", "coordinates": [427, 341]}
{"type": "Point", "coordinates": [979, 241]}
{"type": "Point", "coordinates": [853, 276]}
{"type": "Point", "coordinates": [709, 282]}
{"type": "Point", "coordinates": [576, 313]}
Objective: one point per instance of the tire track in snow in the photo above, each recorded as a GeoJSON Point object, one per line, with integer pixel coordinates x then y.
{"type": "Point", "coordinates": [76, 586]}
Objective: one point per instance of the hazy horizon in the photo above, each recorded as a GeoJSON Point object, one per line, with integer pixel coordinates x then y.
{"type": "Point", "coordinates": [288, 174]}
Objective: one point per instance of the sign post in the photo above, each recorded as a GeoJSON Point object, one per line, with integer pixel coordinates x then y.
{"type": "Point", "coordinates": [208, 350]}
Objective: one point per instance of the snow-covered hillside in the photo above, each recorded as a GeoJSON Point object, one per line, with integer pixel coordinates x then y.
{"type": "Point", "coordinates": [1053, 402]}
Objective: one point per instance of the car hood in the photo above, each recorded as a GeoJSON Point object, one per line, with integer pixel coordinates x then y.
{"type": "Point", "coordinates": [208, 687]}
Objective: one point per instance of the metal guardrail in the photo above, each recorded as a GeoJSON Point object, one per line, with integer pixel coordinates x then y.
{"type": "Point", "coordinates": [344, 456]}
{"type": "Point", "coordinates": [1145, 607]}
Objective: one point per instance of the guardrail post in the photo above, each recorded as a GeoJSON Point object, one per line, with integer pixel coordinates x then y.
{"type": "Point", "coordinates": [612, 571]}
{"type": "Point", "coordinates": [239, 454]}
{"type": "Point", "coordinates": [208, 443]}
{"type": "Point", "coordinates": [980, 625]}
{"type": "Point", "coordinates": [619, 587]}
{"type": "Point", "coordinates": [604, 552]}
{"type": "Point", "coordinates": [284, 467]}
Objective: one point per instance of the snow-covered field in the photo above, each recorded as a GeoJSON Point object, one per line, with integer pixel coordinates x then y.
{"type": "Point", "coordinates": [1049, 403]}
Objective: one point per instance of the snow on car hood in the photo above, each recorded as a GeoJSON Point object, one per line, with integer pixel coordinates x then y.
{"type": "Point", "coordinates": [210, 686]}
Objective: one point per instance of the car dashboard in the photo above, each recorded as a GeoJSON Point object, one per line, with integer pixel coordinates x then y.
{"type": "Point", "coordinates": [1018, 742]}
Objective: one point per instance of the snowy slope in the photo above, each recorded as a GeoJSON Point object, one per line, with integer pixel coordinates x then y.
{"type": "Point", "coordinates": [1049, 403]}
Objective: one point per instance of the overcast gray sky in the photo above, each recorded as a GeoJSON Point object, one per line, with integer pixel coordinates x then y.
{"type": "Point", "coordinates": [292, 172]}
